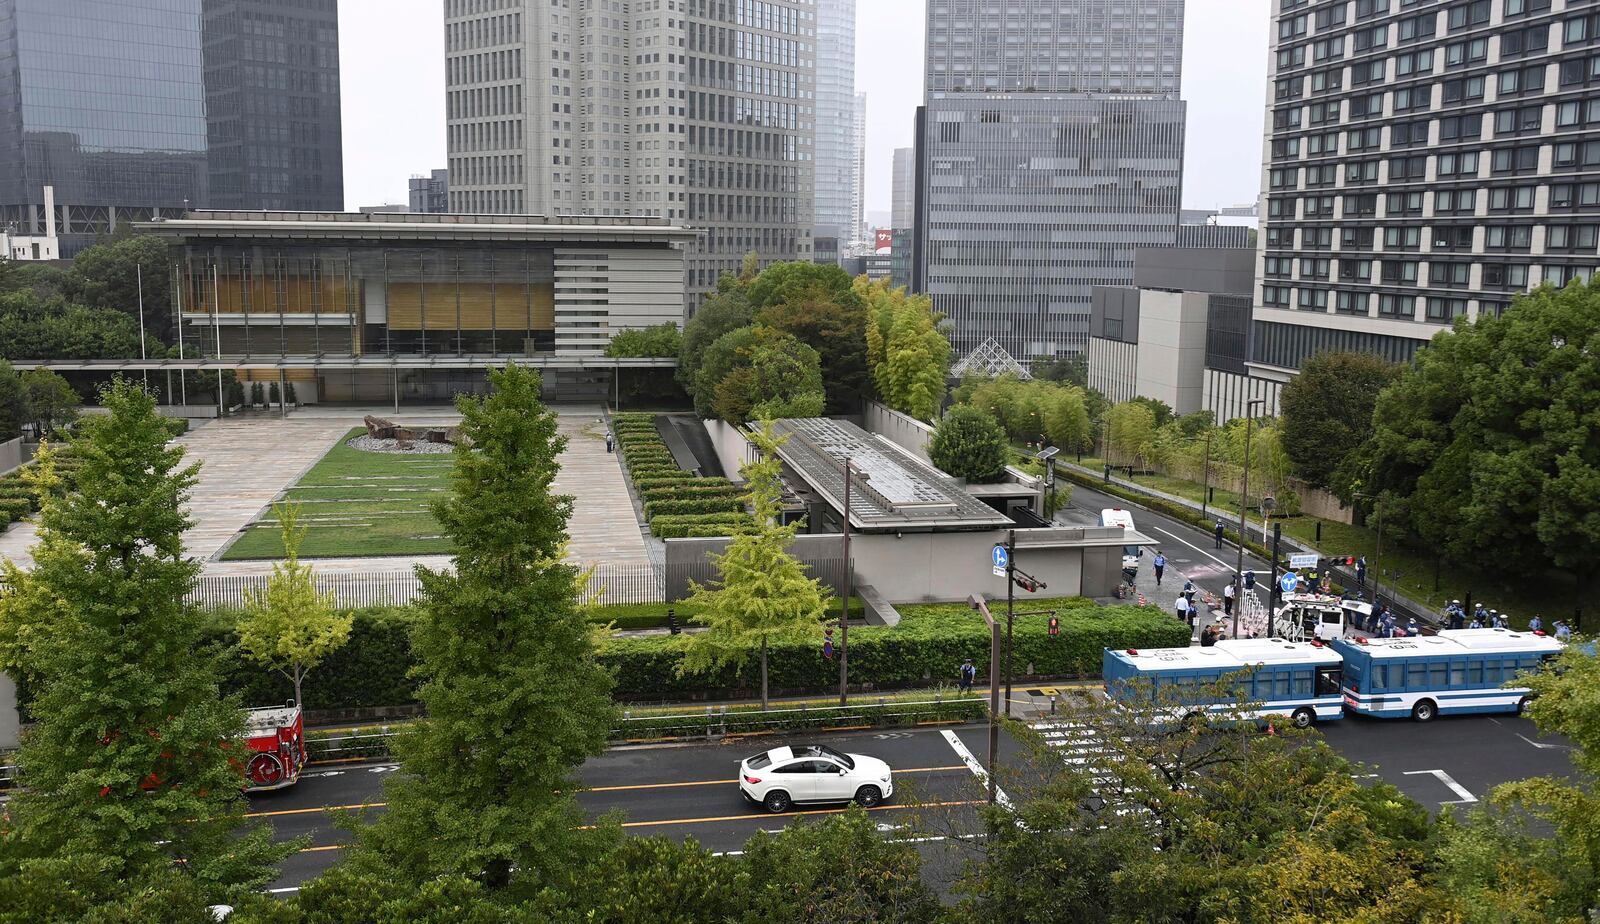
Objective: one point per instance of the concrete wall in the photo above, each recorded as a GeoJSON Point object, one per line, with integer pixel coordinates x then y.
{"type": "Point", "coordinates": [1172, 348]}
{"type": "Point", "coordinates": [927, 567]}
{"type": "Point", "coordinates": [732, 449]}
{"type": "Point", "coordinates": [10, 721]}
{"type": "Point", "coordinates": [1225, 270]}
{"type": "Point", "coordinates": [1227, 394]}
{"type": "Point", "coordinates": [1114, 369]}
{"type": "Point", "coordinates": [903, 430]}
{"type": "Point", "coordinates": [12, 455]}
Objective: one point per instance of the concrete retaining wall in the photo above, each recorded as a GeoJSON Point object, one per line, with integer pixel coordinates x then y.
{"type": "Point", "coordinates": [10, 721]}
{"type": "Point", "coordinates": [12, 455]}
{"type": "Point", "coordinates": [732, 449]}
{"type": "Point", "coordinates": [903, 430]}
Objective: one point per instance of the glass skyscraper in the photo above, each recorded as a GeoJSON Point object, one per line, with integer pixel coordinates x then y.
{"type": "Point", "coordinates": [837, 198]}
{"type": "Point", "coordinates": [107, 101]}
{"type": "Point", "coordinates": [1050, 146]}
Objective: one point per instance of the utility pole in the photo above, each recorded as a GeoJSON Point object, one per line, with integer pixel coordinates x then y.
{"type": "Point", "coordinates": [1244, 503]}
{"type": "Point", "coordinates": [1272, 595]}
{"type": "Point", "coordinates": [216, 325]}
{"type": "Point", "coordinates": [1205, 490]}
{"type": "Point", "coordinates": [1011, 606]}
{"type": "Point", "coordinates": [144, 355]}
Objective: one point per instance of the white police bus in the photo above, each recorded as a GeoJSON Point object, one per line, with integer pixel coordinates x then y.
{"type": "Point", "coordinates": [1455, 672]}
{"type": "Point", "coordinates": [1296, 679]}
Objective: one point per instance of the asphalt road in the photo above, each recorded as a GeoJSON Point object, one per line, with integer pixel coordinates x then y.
{"type": "Point", "coordinates": [688, 790]}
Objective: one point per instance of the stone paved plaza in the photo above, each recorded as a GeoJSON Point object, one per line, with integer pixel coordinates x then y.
{"type": "Point", "coordinates": [246, 462]}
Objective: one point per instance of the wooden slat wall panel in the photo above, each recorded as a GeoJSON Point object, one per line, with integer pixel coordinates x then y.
{"type": "Point", "coordinates": [300, 295]}
{"type": "Point", "coordinates": [483, 306]}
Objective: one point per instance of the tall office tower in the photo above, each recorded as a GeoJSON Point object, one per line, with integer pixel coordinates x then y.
{"type": "Point", "coordinates": [693, 110]}
{"type": "Point", "coordinates": [104, 101]}
{"type": "Point", "coordinates": [430, 193]}
{"type": "Point", "coordinates": [1421, 164]}
{"type": "Point", "coordinates": [1050, 146]}
{"type": "Point", "coordinates": [858, 172]}
{"type": "Point", "coordinates": [272, 104]}
{"type": "Point", "coordinates": [834, 213]}
{"type": "Point", "coordinates": [904, 190]}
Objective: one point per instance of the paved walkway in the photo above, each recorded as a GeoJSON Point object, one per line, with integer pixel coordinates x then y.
{"type": "Point", "coordinates": [246, 462]}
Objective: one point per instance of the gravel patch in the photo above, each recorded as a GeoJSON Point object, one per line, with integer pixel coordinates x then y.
{"type": "Point", "coordinates": [418, 447]}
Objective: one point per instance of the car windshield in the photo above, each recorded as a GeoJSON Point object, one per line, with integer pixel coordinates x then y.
{"type": "Point", "coordinates": [822, 750]}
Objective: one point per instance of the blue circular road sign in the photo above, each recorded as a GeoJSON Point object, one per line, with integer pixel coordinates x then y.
{"type": "Point", "coordinates": [1000, 557]}
{"type": "Point", "coordinates": [1288, 581]}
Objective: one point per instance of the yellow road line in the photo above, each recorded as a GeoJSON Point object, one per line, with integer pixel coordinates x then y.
{"type": "Point", "coordinates": [320, 808]}
{"type": "Point", "coordinates": [747, 817]}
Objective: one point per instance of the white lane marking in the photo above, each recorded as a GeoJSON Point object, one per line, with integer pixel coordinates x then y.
{"type": "Point", "coordinates": [1190, 545]}
{"type": "Point", "coordinates": [283, 890]}
{"type": "Point", "coordinates": [976, 767]}
{"type": "Point", "coordinates": [1445, 778]}
{"type": "Point", "coordinates": [1545, 747]}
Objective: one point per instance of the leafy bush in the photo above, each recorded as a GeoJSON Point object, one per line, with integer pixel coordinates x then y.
{"type": "Point", "coordinates": [714, 487]}
{"type": "Point", "coordinates": [680, 527]}
{"type": "Point", "coordinates": [15, 508]}
{"type": "Point", "coordinates": [928, 645]}
{"type": "Point", "coordinates": [969, 443]}
{"type": "Point", "coordinates": [680, 479]}
{"type": "Point", "coordinates": [954, 708]}
{"type": "Point", "coordinates": [693, 505]}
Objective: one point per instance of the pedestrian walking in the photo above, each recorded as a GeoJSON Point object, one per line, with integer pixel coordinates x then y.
{"type": "Point", "coordinates": [1189, 591]}
{"type": "Point", "coordinates": [1412, 630]}
{"type": "Point", "coordinates": [1182, 606]}
{"type": "Point", "coordinates": [1535, 624]}
{"type": "Point", "coordinates": [1563, 633]}
{"type": "Point", "coordinates": [610, 441]}
{"type": "Point", "coordinates": [1361, 572]}
{"type": "Point", "coordinates": [1480, 615]}
{"type": "Point", "coordinates": [1160, 564]}
{"type": "Point", "coordinates": [1219, 534]}
{"type": "Point", "coordinates": [1227, 598]}
{"type": "Point", "coordinates": [968, 675]}
{"type": "Point", "coordinates": [1326, 583]}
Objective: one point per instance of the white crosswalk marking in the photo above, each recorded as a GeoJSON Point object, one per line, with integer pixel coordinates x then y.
{"type": "Point", "coordinates": [1080, 746]}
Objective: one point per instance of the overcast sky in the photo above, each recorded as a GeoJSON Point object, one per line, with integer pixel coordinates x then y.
{"type": "Point", "coordinates": [393, 77]}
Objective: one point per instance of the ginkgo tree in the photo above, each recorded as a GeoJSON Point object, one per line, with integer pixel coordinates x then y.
{"type": "Point", "coordinates": [289, 625]}
{"type": "Point", "coordinates": [764, 592]}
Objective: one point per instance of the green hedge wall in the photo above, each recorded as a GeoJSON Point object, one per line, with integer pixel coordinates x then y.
{"type": "Point", "coordinates": [693, 505]}
{"type": "Point", "coordinates": [928, 645]}
{"type": "Point", "coordinates": [677, 504]}
{"type": "Point", "coordinates": [680, 526]}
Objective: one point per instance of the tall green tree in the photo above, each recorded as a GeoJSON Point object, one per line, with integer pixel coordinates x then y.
{"type": "Point", "coordinates": [721, 313]}
{"type": "Point", "coordinates": [289, 626]}
{"type": "Point", "coordinates": [840, 869]}
{"type": "Point", "coordinates": [1130, 432]}
{"type": "Point", "coordinates": [836, 327]}
{"type": "Point", "coordinates": [907, 353]}
{"type": "Point", "coordinates": [757, 372]}
{"type": "Point", "coordinates": [52, 403]}
{"type": "Point", "coordinates": [968, 443]}
{"type": "Point", "coordinates": [1066, 419]}
{"type": "Point", "coordinates": [1066, 370]}
{"type": "Point", "coordinates": [1490, 445]}
{"type": "Point", "coordinates": [1326, 410]}
{"type": "Point", "coordinates": [796, 279]}
{"type": "Point", "coordinates": [14, 409]}
{"type": "Point", "coordinates": [763, 592]}
{"type": "Point", "coordinates": [34, 327]}
{"type": "Point", "coordinates": [130, 766]}
{"type": "Point", "coordinates": [515, 700]}
{"type": "Point", "coordinates": [112, 274]}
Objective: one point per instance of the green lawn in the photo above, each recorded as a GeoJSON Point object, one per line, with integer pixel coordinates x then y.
{"type": "Point", "coordinates": [357, 503]}
{"type": "Point", "coordinates": [1552, 596]}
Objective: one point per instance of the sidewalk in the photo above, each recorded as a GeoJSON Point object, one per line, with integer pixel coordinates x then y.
{"type": "Point", "coordinates": [1401, 604]}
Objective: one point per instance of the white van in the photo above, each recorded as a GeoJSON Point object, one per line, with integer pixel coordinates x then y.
{"type": "Point", "coordinates": [1116, 516]}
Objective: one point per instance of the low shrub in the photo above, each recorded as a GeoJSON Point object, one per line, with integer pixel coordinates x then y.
{"type": "Point", "coordinates": [368, 670]}
{"type": "Point", "coordinates": [952, 708]}
{"type": "Point", "coordinates": [713, 487]}
{"type": "Point", "coordinates": [928, 646]}
{"type": "Point", "coordinates": [693, 505]}
{"type": "Point", "coordinates": [15, 508]}
{"type": "Point", "coordinates": [680, 479]}
{"type": "Point", "coordinates": [679, 527]}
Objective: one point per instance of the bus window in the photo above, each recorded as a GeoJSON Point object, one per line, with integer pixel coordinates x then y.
{"type": "Point", "coordinates": [1416, 676]}
{"type": "Point", "coordinates": [1302, 683]}
{"type": "Point", "coordinates": [1327, 681]}
{"type": "Point", "coordinates": [1475, 673]}
{"type": "Point", "coordinates": [1436, 675]}
{"type": "Point", "coordinates": [1280, 685]}
{"type": "Point", "coordinates": [1458, 673]}
{"type": "Point", "coordinates": [1491, 672]}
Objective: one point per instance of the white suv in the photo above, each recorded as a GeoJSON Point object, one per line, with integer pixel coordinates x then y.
{"type": "Point", "coordinates": [783, 777]}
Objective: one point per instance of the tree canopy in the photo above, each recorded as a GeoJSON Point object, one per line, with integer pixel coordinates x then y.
{"type": "Point", "coordinates": [661, 340]}
{"type": "Point", "coordinates": [757, 373]}
{"type": "Point", "coordinates": [36, 327]}
{"type": "Point", "coordinates": [968, 443]}
{"type": "Point", "coordinates": [1488, 447]}
{"type": "Point", "coordinates": [832, 324]}
{"type": "Point", "coordinates": [722, 313]}
{"type": "Point", "coordinates": [1326, 410]}
{"type": "Point", "coordinates": [906, 352]}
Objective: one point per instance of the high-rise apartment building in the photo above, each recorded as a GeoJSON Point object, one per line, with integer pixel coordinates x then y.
{"type": "Point", "coordinates": [1050, 146]}
{"type": "Point", "coordinates": [1424, 161]}
{"type": "Point", "coordinates": [698, 111]}
{"type": "Point", "coordinates": [133, 109]}
{"type": "Point", "coordinates": [835, 213]}
{"type": "Point", "coordinates": [431, 193]}
{"type": "Point", "coordinates": [904, 189]}
{"type": "Point", "coordinates": [272, 104]}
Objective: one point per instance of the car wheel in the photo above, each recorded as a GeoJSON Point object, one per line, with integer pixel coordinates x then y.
{"type": "Point", "coordinates": [1522, 706]}
{"type": "Point", "coordinates": [1424, 710]}
{"type": "Point", "coordinates": [776, 801]}
{"type": "Point", "coordinates": [868, 796]}
{"type": "Point", "coordinates": [1303, 718]}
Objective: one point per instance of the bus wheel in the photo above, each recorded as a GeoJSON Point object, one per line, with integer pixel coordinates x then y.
{"type": "Point", "coordinates": [1424, 710]}
{"type": "Point", "coordinates": [1522, 706]}
{"type": "Point", "coordinates": [1303, 718]}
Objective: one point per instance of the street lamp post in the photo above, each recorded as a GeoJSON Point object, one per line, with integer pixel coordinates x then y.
{"type": "Point", "coordinates": [1205, 490]}
{"type": "Point", "coordinates": [1244, 502]}
{"type": "Point", "coordinates": [849, 588]}
{"type": "Point", "coordinates": [977, 603]}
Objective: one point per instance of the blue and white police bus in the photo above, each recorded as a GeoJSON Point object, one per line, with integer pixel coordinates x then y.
{"type": "Point", "coordinates": [1296, 679]}
{"type": "Point", "coordinates": [1456, 672]}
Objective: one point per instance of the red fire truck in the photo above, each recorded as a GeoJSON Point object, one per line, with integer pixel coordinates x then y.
{"type": "Point", "coordinates": [276, 739]}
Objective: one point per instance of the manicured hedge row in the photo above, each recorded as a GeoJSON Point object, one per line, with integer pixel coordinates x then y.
{"type": "Point", "coordinates": [677, 505]}
{"type": "Point", "coordinates": [700, 525]}
{"type": "Point", "coordinates": [968, 708]}
{"type": "Point", "coordinates": [712, 487]}
{"type": "Point", "coordinates": [693, 505]}
{"type": "Point", "coordinates": [928, 646]}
